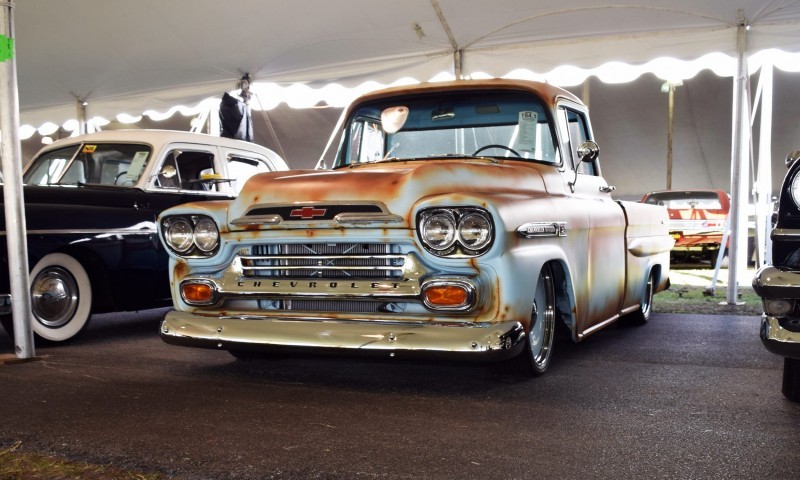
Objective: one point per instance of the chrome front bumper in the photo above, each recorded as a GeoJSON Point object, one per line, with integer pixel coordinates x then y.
{"type": "Point", "coordinates": [484, 341]}
{"type": "Point", "coordinates": [781, 336]}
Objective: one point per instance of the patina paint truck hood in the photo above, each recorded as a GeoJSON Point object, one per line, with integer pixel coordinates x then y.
{"type": "Point", "coordinates": [398, 185]}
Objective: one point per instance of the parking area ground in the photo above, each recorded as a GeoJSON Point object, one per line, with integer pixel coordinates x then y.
{"type": "Point", "coordinates": [685, 396]}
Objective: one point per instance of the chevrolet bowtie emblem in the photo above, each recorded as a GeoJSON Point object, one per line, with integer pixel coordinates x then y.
{"type": "Point", "coordinates": [307, 213]}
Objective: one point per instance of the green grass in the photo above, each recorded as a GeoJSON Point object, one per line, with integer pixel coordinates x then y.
{"type": "Point", "coordinates": [691, 299]}
{"type": "Point", "coordinates": [19, 465]}
{"type": "Point", "coordinates": [689, 283]}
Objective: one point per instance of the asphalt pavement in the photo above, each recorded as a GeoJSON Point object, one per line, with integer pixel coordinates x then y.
{"type": "Point", "coordinates": [683, 397]}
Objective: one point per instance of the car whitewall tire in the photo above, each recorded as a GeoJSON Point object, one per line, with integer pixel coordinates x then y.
{"type": "Point", "coordinates": [61, 297]}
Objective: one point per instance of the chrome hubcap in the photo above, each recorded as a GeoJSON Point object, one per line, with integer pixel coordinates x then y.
{"type": "Point", "coordinates": [54, 297]}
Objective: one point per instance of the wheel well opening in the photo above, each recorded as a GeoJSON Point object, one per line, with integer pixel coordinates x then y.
{"type": "Point", "coordinates": [562, 284]}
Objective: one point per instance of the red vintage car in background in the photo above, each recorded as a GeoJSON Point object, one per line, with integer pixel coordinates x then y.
{"type": "Point", "coordinates": [697, 221]}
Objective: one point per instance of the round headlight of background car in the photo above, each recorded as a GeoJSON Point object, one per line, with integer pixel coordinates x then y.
{"type": "Point", "coordinates": [179, 235]}
{"type": "Point", "coordinates": [439, 230]}
{"type": "Point", "coordinates": [474, 231]}
{"type": "Point", "coordinates": [796, 189]}
{"type": "Point", "coordinates": [206, 235]}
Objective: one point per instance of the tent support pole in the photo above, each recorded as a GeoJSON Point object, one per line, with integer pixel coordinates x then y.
{"type": "Point", "coordinates": [11, 154]}
{"type": "Point", "coordinates": [670, 128]}
{"type": "Point", "coordinates": [739, 166]}
{"type": "Point", "coordinates": [763, 188]}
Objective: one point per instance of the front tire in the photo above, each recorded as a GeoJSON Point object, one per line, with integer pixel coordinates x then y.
{"type": "Point", "coordinates": [791, 379]}
{"type": "Point", "coordinates": [535, 358]}
{"type": "Point", "coordinates": [61, 298]}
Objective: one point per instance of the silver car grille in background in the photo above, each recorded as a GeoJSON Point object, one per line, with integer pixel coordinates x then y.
{"type": "Point", "coordinates": [324, 260]}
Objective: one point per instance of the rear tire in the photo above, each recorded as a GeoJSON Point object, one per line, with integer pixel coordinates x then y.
{"type": "Point", "coordinates": [791, 379]}
{"type": "Point", "coordinates": [642, 316]}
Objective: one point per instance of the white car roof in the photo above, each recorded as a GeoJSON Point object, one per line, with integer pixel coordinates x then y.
{"type": "Point", "coordinates": [157, 138]}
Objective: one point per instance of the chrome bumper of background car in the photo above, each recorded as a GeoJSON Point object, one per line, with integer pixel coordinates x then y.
{"type": "Point", "coordinates": [781, 336]}
{"type": "Point", "coordinates": [485, 341]}
{"type": "Point", "coordinates": [771, 282]}
{"type": "Point", "coordinates": [5, 304]}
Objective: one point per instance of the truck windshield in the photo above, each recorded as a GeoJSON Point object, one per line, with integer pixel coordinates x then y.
{"type": "Point", "coordinates": [99, 164]}
{"type": "Point", "coordinates": [502, 124]}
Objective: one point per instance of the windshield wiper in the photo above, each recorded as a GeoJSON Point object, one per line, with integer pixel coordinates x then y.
{"type": "Point", "coordinates": [465, 155]}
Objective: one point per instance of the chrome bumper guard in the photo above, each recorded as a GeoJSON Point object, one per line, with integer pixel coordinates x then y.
{"type": "Point", "coordinates": [484, 341]}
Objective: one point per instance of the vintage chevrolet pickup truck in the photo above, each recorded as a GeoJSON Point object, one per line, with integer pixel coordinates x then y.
{"type": "Point", "coordinates": [467, 219]}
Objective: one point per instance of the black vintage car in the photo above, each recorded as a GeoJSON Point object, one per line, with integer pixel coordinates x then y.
{"type": "Point", "coordinates": [91, 204]}
{"type": "Point", "coordinates": [778, 284]}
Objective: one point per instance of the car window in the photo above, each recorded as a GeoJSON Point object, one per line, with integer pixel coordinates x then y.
{"type": "Point", "coordinates": [684, 200]}
{"type": "Point", "coordinates": [90, 163]}
{"type": "Point", "coordinates": [188, 170]}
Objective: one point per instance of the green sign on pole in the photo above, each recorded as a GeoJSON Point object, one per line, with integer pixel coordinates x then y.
{"type": "Point", "coordinates": [6, 48]}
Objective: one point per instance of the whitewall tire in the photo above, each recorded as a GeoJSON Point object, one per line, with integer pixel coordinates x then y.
{"type": "Point", "coordinates": [61, 298]}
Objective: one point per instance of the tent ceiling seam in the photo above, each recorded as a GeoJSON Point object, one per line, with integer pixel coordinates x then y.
{"type": "Point", "coordinates": [585, 9]}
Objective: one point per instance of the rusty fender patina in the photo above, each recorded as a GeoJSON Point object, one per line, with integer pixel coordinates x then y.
{"type": "Point", "coordinates": [456, 220]}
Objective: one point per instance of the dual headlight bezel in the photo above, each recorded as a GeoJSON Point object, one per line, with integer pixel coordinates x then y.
{"type": "Point", "coordinates": [190, 235]}
{"type": "Point", "coordinates": [455, 231]}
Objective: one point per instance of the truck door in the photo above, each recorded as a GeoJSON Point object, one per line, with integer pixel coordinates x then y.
{"type": "Point", "coordinates": [600, 285]}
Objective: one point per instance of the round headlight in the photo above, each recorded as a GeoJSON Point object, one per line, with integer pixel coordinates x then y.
{"type": "Point", "coordinates": [474, 231]}
{"type": "Point", "coordinates": [796, 189]}
{"type": "Point", "coordinates": [206, 235]}
{"type": "Point", "coordinates": [178, 235]}
{"type": "Point", "coordinates": [439, 230]}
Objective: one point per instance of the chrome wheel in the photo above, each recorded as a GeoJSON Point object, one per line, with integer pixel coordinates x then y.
{"type": "Point", "coordinates": [543, 322]}
{"type": "Point", "coordinates": [642, 315]}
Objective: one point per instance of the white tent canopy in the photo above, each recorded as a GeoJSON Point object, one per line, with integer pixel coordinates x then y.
{"type": "Point", "coordinates": [124, 56]}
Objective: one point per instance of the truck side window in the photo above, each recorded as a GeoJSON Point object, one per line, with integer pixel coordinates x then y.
{"type": "Point", "coordinates": [366, 141]}
{"type": "Point", "coordinates": [575, 130]}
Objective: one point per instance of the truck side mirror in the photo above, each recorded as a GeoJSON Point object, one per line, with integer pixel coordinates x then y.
{"type": "Point", "coordinates": [588, 151]}
{"type": "Point", "coordinates": [792, 157]}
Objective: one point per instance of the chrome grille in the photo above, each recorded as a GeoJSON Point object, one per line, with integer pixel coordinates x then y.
{"type": "Point", "coordinates": [324, 260]}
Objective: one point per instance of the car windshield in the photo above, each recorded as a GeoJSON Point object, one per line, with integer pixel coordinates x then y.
{"type": "Point", "coordinates": [685, 200]}
{"type": "Point", "coordinates": [502, 124]}
{"type": "Point", "coordinates": [119, 164]}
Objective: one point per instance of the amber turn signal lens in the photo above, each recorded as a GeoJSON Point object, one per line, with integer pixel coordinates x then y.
{"type": "Point", "coordinates": [197, 292]}
{"type": "Point", "coordinates": [446, 295]}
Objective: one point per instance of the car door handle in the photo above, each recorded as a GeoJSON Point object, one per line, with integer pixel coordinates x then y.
{"type": "Point", "coordinates": [607, 189]}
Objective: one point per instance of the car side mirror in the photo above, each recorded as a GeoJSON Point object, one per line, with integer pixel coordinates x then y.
{"type": "Point", "coordinates": [792, 157]}
{"type": "Point", "coordinates": [168, 171]}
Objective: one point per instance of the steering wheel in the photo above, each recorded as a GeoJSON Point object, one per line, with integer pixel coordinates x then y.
{"type": "Point", "coordinates": [118, 176]}
{"type": "Point", "coordinates": [487, 147]}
